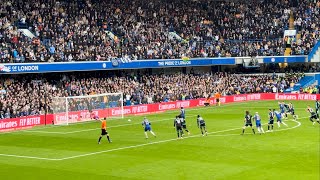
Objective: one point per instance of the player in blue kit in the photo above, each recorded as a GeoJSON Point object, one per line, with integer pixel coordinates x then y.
{"type": "Point", "coordinates": [147, 127]}
{"type": "Point", "coordinates": [257, 119]}
{"type": "Point", "coordinates": [182, 113]}
{"type": "Point", "coordinates": [282, 109]}
{"type": "Point", "coordinates": [202, 125]}
{"type": "Point", "coordinates": [279, 118]}
{"type": "Point", "coordinates": [248, 122]}
{"type": "Point", "coordinates": [271, 120]}
{"type": "Point", "coordinates": [183, 120]}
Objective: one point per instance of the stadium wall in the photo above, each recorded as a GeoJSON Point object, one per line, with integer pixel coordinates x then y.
{"type": "Point", "coordinates": [31, 121]}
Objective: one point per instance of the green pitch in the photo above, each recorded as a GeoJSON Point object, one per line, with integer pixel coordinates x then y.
{"type": "Point", "coordinates": [72, 152]}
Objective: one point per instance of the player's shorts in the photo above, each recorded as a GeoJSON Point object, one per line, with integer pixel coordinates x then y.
{"type": "Point", "coordinates": [179, 128]}
{"type": "Point", "coordinates": [271, 121]}
{"type": "Point", "coordinates": [103, 132]}
{"type": "Point", "coordinates": [147, 128]}
{"type": "Point", "coordinates": [282, 112]}
{"type": "Point", "coordinates": [202, 125]}
{"type": "Point", "coordinates": [248, 124]}
{"type": "Point", "coordinates": [292, 111]}
{"type": "Point", "coordinates": [313, 116]}
{"type": "Point", "coordinates": [258, 124]}
{"type": "Point", "coordinates": [217, 100]}
{"type": "Point", "coordinates": [279, 120]}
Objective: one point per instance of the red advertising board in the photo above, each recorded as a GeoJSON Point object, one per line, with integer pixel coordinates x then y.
{"type": "Point", "coordinates": [30, 121]}
{"type": "Point", "coordinates": [21, 123]}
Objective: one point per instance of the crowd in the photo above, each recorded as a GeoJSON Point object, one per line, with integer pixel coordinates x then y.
{"type": "Point", "coordinates": [33, 94]}
{"type": "Point", "coordinates": [92, 30]}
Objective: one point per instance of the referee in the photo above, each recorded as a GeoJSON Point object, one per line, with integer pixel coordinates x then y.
{"type": "Point", "coordinates": [104, 130]}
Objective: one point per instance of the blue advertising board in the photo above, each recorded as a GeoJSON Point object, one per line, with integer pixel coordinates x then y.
{"type": "Point", "coordinates": [114, 64]}
{"type": "Point", "coordinates": [119, 63]}
{"type": "Point", "coordinates": [285, 59]}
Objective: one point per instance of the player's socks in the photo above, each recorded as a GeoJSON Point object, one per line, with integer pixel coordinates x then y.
{"type": "Point", "coordinates": [268, 127]}
{"type": "Point", "coordinates": [278, 124]}
{"type": "Point", "coordinates": [153, 133]}
{"type": "Point", "coordinates": [262, 130]}
{"type": "Point", "coordinates": [258, 130]}
{"type": "Point", "coordinates": [99, 139]}
{"type": "Point", "coordinates": [219, 103]}
{"type": "Point", "coordinates": [243, 131]}
{"type": "Point", "coordinates": [188, 131]}
{"type": "Point", "coordinates": [146, 135]}
{"type": "Point", "coordinates": [109, 139]}
{"type": "Point", "coordinates": [313, 123]}
{"type": "Point", "coordinates": [253, 131]}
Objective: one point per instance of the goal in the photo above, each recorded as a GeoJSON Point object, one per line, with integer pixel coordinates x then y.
{"type": "Point", "coordinates": [76, 109]}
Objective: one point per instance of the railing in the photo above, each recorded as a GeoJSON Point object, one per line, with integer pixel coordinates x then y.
{"type": "Point", "coordinates": [313, 51]}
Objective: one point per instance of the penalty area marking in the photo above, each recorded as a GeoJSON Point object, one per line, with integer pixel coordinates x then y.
{"type": "Point", "coordinates": [212, 134]}
{"type": "Point", "coordinates": [121, 125]}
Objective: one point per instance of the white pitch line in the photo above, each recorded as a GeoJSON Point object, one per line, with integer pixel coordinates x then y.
{"type": "Point", "coordinates": [167, 112]}
{"type": "Point", "coordinates": [158, 142]}
{"type": "Point", "coordinates": [121, 125]}
{"type": "Point", "coordinates": [29, 157]}
{"type": "Point", "coordinates": [133, 146]}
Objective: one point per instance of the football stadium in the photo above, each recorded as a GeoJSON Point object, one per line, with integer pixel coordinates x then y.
{"type": "Point", "coordinates": [160, 89]}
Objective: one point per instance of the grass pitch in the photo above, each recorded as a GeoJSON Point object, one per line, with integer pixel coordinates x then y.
{"type": "Point", "coordinates": [72, 152]}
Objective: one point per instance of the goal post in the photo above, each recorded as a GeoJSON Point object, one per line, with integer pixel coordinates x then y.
{"type": "Point", "coordinates": [76, 109]}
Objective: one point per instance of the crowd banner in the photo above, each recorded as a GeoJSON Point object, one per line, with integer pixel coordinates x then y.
{"type": "Point", "coordinates": [30, 121]}
{"type": "Point", "coordinates": [127, 63]}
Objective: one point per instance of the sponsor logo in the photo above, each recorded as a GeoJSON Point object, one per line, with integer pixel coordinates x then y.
{"type": "Point", "coordinates": [285, 97]}
{"type": "Point", "coordinates": [183, 104]}
{"type": "Point", "coordinates": [4, 68]}
{"type": "Point", "coordinates": [222, 100]}
{"type": "Point", "coordinates": [307, 97]}
{"type": "Point", "coordinates": [8, 124]}
{"type": "Point", "coordinates": [239, 98]}
{"type": "Point", "coordinates": [139, 109]}
{"type": "Point", "coordinates": [174, 63]}
{"type": "Point", "coordinates": [117, 112]}
{"type": "Point", "coordinates": [30, 121]}
{"type": "Point", "coordinates": [166, 106]}
{"type": "Point", "coordinates": [115, 62]}
{"type": "Point", "coordinates": [253, 97]}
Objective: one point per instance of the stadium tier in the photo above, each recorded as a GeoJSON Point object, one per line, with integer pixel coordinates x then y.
{"type": "Point", "coordinates": [160, 89]}
{"type": "Point", "coordinates": [30, 94]}
{"type": "Point", "coordinates": [64, 31]}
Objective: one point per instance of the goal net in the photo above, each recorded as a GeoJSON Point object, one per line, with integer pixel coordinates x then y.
{"type": "Point", "coordinates": [87, 108]}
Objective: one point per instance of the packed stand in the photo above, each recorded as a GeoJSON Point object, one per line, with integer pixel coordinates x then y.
{"type": "Point", "coordinates": [95, 30]}
{"type": "Point", "coordinates": [29, 95]}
